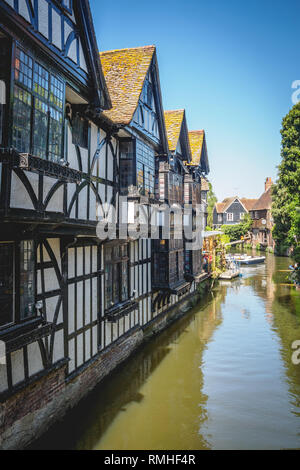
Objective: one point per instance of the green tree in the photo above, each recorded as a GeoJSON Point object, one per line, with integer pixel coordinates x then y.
{"type": "Point", "coordinates": [286, 192]}
{"type": "Point", "coordinates": [236, 232]}
{"type": "Point", "coordinates": [211, 202]}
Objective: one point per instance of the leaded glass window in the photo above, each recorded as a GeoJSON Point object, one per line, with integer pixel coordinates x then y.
{"type": "Point", "coordinates": [55, 134]}
{"type": "Point", "coordinates": [40, 128]}
{"type": "Point", "coordinates": [116, 275]}
{"type": "Point", "coordinates": [27, 294]}
{"type": "Point", "coordinates": [22, 119]}
{"type": "Point", "coordinates": [127, 177]}
{"type": "Point", "coordinates": [145, 166]}
{"type": "Point", "coordinates": [23, 69]}
{"type": "Point", "coordinates": [38, 109]}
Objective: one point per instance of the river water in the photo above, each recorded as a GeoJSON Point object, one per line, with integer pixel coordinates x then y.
{"type": "Point", "coordinates": [222, 377]}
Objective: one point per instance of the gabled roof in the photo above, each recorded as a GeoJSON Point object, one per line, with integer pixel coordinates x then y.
{"type": "Point", "coordinates": [219, 207]}
{"type": "Point", "coordinates": [199, 150]}
{"type": "Point", "coordinates": [196, 143]}
{"type": "Point", "coordinates": [264, 202]}
{"type": "Point", "coordinates": [177, 131]}
{"type": "Point", "coordinates": [174, 121]}
{"type": "Point", "coordinates": [248, 203]}
{"type": "Point", "coordinates": [125, 71]}
{"type": "Point", "coordinates": [83, 11]}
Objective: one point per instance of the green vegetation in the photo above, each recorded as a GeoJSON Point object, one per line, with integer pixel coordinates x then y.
{"type": "Point", "coordinates": [211, 202]}
{"type": "Point", "coordinates": [236, 232]}
{"type": "Point", "coordinates": [286, 192]}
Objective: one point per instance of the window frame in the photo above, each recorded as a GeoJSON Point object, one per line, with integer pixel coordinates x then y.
{"type": "Point", "coordinates": [52, 105]}
{"type": "Point", "coordinates": [17, 316]}
{"type": "Point", "coordinates": [229, 216]}
{"type": "Point", "coordinates": [115, 261]}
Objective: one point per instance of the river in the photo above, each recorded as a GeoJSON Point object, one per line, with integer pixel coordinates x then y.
{"type": "Point", "coordinates": [222, 377]}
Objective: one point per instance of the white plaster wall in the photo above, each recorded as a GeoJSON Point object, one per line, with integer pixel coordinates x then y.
{"type": "Point", "coordinates": [58, 352]}
{"type": "Point", "coordinates": [19, 197]}
{"type": "Point", "coordinates": [43, 18]}
{"type": "Point", "coordinates": [17, 363]}
{"type": "Point", "coordinates": [56, 202]}
{"type": "Point", "coordinates": [3, 378]}
{"type": "Point", "coordinates": [35, 363]}
{"type": "Point", "coordinates": [23, 10]}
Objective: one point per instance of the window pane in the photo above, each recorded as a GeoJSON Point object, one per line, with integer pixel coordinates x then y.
{"type": "Point", "coordinates": [56, 92]}
{"type": "Point", "coordinates": [21, 120]}
{"type": "Point", "coordinates": [80, 132]}
{"type": "Point", "coordinates": [6, 283]}
{"type": "Point", "coordinates": [40, 129]}
{"type": "Point", "coordinates": [124, 281]}
{"type": "Point", "coordinates": [27, 296]}
{"type": "Point", "coordinates": [23, 69]}
{"type": "Point", "coordinates": [55, 135]}
{"type": "Point", "coordinates": [41, 81]}
{"type": "Point", "coordinates": [116, 283]}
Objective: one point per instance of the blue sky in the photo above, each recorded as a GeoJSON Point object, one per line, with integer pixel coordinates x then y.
{"type": "Point", "coordinates": [230, 64]}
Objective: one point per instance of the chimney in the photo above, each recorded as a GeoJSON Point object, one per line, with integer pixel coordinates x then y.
{"type": "Point", "coordinates": [268, 183]}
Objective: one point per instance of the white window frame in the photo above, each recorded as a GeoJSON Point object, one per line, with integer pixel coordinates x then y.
{"type": "Point", "coordinates": [229, 216]}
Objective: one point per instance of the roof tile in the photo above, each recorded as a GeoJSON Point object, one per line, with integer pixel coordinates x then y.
{"type": "Point", "coordinates": [125, 71]}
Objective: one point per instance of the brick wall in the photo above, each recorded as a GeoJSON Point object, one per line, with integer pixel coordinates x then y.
{"type": "Point", "coordinates": [29, 413]}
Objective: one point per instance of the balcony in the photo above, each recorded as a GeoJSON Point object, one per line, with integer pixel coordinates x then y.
{"type": "Point", "coordinates": [28, 162]}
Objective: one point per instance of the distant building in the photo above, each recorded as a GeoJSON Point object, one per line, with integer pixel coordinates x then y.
{"type": "Point", "coordinates": [262, 219]}
{"type": "Point", "coordinates": [232, 211]}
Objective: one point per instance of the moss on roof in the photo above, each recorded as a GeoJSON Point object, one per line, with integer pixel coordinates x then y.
{"type": "Point", "coordinates": [125, 71]}
{"type": "Point", "coordinates": [173, 121]}
{"type": "Point", "coordinates": [196, 143]}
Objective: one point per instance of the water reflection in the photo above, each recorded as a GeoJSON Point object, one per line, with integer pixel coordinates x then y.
{"type": "Point", "coordinates": [221, 377]}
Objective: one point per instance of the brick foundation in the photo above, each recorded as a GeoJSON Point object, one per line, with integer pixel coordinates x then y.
{"type": "Point", "coordinates": [29, 413]}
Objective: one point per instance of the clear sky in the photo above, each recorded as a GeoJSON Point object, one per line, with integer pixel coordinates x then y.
{"type": "Point", "coordinates": [230, 64]}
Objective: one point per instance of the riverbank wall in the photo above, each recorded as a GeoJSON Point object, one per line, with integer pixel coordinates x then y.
{"type": "Point", "coordinates": [30, 412]}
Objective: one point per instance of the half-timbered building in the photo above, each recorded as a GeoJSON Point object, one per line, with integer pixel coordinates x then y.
{"type": "Point", "coordinates": [196, 188]}
{"type": "Point", "coordinates": [79, 132]}
{"type": "Point", "coordinates": [168, 254]}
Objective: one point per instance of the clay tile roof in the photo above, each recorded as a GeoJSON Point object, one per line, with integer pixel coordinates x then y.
{"type": "Point", "coordinates": [219, 207]}
{"type": "Point", "coordinates": [228, 201]}
{"type": "Point", "coordinates": [264, 202]}
{"type": "Point", "coordinates": [125, 71]}
{"type": "Point", "coordinates": [196, 143]}
{"type": "Point", "coordinates": [173, 121]}
{"type": "Point", "coordinates": [248, 203]}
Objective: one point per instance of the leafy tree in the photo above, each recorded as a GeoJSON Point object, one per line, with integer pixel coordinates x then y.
{"type": "Point", "coordinates": [211, 202]}
{"type": "Point", "coordinates": [286, 192]}
{"type": "Point", "coordinates": [236, 232]}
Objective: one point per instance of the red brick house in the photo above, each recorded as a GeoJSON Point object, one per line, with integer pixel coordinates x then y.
{"type": "Point", "coordinates": [261, 232]}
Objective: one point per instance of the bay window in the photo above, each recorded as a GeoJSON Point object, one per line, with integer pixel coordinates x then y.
{"type": "Point", "coordinates": [137, 166]}
{"type": "Point", "coordinates": [38, 104]}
